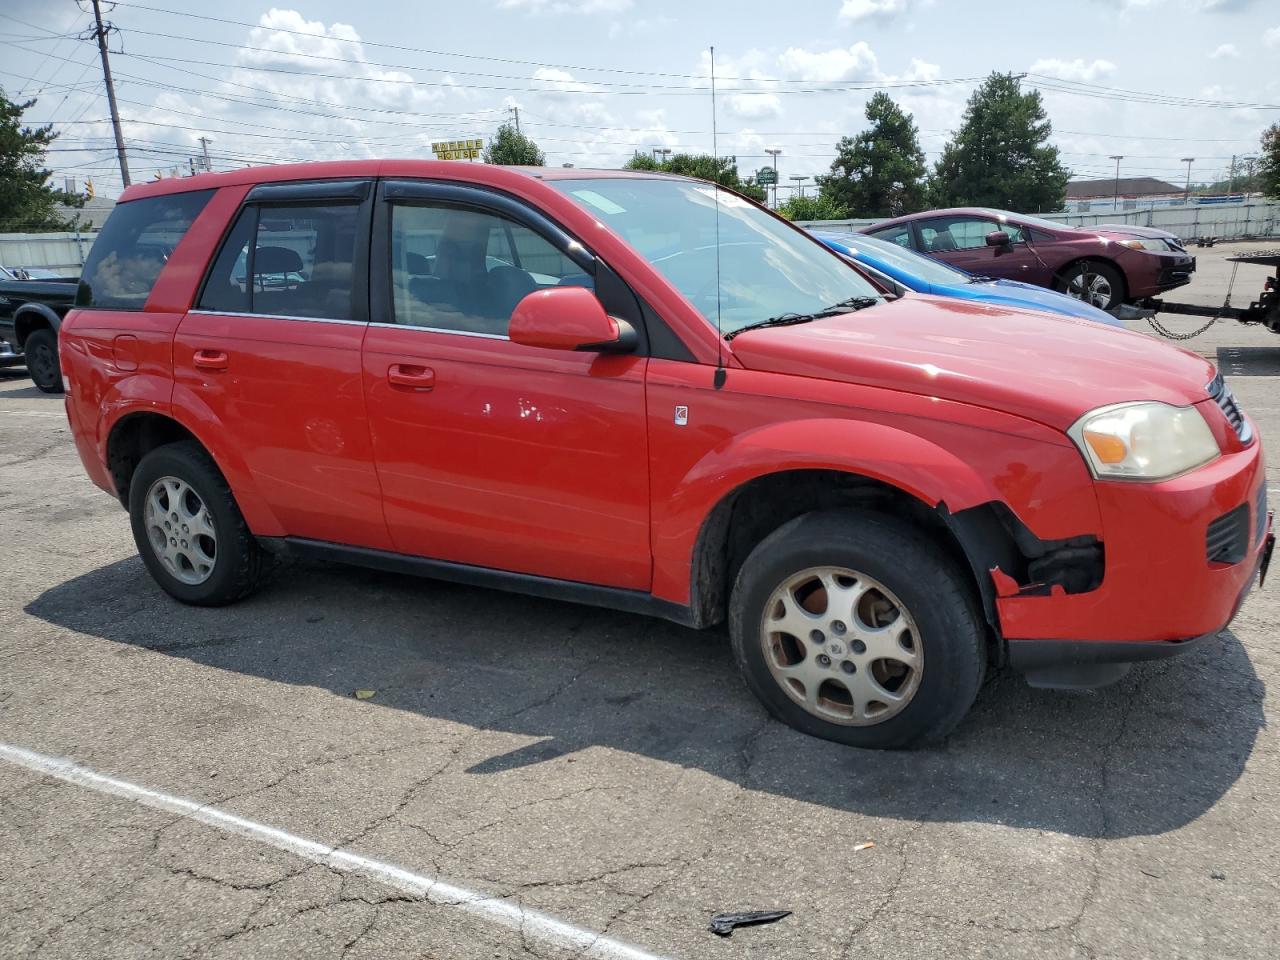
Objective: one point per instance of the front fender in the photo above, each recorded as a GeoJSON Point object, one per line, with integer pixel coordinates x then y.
{"type": "Point", "coordinates": [913, 464]}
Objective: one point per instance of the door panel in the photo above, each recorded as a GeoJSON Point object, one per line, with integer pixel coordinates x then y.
{"type": "Point", "coordinates": [291, 390]}
{"type": "Point", "coordinates": [514, 458]}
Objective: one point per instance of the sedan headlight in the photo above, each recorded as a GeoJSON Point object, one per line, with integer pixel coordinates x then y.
{"type": "Point", "coordinates": [1145, 243]}
{"type": "Point", "coordinates": [1144, 441]}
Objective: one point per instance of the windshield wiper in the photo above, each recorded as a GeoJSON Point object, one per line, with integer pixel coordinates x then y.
{"type": "Point", "coordinates": [790, 319]}
{"type": "Point", "coordinates": [981, 278]}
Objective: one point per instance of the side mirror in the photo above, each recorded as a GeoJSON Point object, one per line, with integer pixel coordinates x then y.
{"type": "Point", "coordinates": [569, 318]}
{"type": "Point", "coordinates": [998, 238]}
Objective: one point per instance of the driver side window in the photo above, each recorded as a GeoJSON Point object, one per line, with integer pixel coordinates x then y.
{"type": "Point", "coordinates": [464, 270]}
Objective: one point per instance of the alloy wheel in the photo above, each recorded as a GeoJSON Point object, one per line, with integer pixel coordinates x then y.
{"type": "Point", "coordinates": [180, 530]}
{"type": "Point", "coordinates": [842, 646]}
{"type": "Point", "coordinates": [1093, 288]}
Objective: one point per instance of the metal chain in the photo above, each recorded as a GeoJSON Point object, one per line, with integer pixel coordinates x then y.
{"type": "Point", "coordinates": [1164, 331]}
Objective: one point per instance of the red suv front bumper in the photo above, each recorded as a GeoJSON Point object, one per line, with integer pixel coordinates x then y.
{"type": "Point", "coordinates": [1161, 591]}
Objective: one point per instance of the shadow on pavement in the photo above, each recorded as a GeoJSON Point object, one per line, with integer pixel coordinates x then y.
{"type": "Point", "coordinates": [1145, 756]}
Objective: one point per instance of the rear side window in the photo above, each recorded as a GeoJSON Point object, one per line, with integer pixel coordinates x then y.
{"type": "Point", "coordinates": [901, 235]}
{"type": "Point", "coordinates": [133, 247]}
{"type": "Point", "coordinates": [294, 260]}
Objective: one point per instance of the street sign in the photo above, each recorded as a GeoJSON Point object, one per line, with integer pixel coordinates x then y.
{"type": "Point", "coordinates": [457, 149]}
{"type": "Point", "coordinates": [766, 176]}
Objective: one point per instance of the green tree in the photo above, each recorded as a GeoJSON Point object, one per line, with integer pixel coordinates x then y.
{"type": "Point", "coordinates": [1269, 163]}
{"type": "Point", "coordinates": [721, 170]}
{"type": "Point", "coordinates": [510, 148]}
{"type": "Point", "coordinates": [881, 171]}
{"type": "Point", "coordinates": [27, 202]}
{"type": "Point", "coordinates": [810, 208]}
{"type": "Point", "coordinates": [1000, 156]}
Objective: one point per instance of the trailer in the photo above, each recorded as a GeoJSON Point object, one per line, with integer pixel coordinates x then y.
{"type": "Point", "coordinates": [1264, 310]}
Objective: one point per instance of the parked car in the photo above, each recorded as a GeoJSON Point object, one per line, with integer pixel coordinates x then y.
{"type": "Point", "coordinates": [923, 274]}
{"type": "Point", "coordinates": [29, 273]}
{"type": "Point", "coordinates": [31, 312]}
{"type": "Point", "coordinates": [1105, 266]}
{"type": "Point", "coordinates": [657, 396]}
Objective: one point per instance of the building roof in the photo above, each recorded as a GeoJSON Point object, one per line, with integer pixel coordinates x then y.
{"type": "Point", "coordinates": [92, 214]}
{"type": "Point", "coordinates": [1127, 187]}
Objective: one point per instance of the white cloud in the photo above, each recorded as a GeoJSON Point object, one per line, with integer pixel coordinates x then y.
{"type": "Point", "coordinates": [561, 80]}
{"type": "Point", "coordinates": [1225, 50]}
{"type": "Point", "coordinates": [1272, 37]}
{"type": "Point", "coordinates": [856, 10]}
{"type": "Point", "coordinates": [566, 6]}
{"type": "Point", "coordinates": [1076, 69]}
{"type": "Point", "coordinates": [855, 62]}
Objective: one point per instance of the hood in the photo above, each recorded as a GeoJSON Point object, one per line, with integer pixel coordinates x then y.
{"type": "Point", "coordinates": [1126, 230]}
{"type": "Point", "coordinates": [1046, 368]}
{"type": "Point", "coordinates": [1015, 293]}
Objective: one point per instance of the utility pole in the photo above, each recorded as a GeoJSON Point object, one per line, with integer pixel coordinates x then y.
{"type": "Point", "coordinates": [515, 113]}
{"type": "Point", "coordinates": [773, 152]}
{"type": "Point", "coordinates": [204, 149]}
{"type": "Point", "coordinates": [1186, 196]}
{"type": "Point", "coordinates": [100, 33]}
{"type": "Point", "coordinates": [1115, 199]}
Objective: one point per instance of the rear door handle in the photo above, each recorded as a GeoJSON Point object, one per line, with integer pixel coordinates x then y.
{"type": "Point", "coordinates": [412, 375]}
{"type": "Point", "coordinates": [210, 359]}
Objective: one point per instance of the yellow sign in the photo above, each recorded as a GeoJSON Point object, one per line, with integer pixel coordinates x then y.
{"type": "Point", "coordinates": [458, 149]}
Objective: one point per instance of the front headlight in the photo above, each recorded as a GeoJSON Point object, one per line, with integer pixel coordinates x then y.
{"type": "Point", "coordinates": [1144, 440]}
{"type": "Point", "coordinates": [1145, 243]}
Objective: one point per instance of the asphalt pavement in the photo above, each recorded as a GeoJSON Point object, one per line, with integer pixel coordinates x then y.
{"type": "Point", "coordinates": [537, 778]}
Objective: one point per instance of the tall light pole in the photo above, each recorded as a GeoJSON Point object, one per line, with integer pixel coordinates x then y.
{"type": "Point", "coordinates": [799, 181]}
{"type": "Point", "coordinates": [1115, 198]}
{"type": "Point", "coordinates": [1186, 196]}
{"type": "Point", "coordinates": [773, 152]}
{"type": "Point", "coordinates": [1248, 166]}
{"type": "Point", "coordinates": [665, 151]}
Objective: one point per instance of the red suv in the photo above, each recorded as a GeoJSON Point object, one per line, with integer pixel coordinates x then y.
{"type": "Point", "coordinates": [646, 393]}
{"type": "Point", "coordinates": [1105, 265]}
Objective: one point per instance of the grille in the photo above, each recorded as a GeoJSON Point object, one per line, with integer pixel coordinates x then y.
{"type": "Point", "coordinates": [1226, 401]}
{"type": "Point", "coordinates": [1260, 514]}
{"type": "Point", "coordinates": [1227, 540]}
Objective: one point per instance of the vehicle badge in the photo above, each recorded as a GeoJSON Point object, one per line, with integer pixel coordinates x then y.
{"type": "Point", "coordinates": [682, 415]}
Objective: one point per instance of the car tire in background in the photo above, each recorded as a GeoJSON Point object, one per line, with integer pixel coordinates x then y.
{"type": "Point", "coordinates": [41, 352]}
{"type": "Point", "coordinates": [895, 660]}
{"type": "Point", "coordinates": [1097, 284]}
{"type": "Point", "coordinates": [189, 530]}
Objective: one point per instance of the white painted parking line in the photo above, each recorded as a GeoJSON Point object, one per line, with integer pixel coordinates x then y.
{"type": "Point", "coordinates": [36, 414]}
{"type": "Point", "coordinates": [532, 923]}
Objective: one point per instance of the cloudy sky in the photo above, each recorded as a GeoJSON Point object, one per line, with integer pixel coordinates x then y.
{"type": "Point", "coordinates": [596, 80]}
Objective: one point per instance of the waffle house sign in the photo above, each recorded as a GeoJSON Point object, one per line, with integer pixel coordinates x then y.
{"type": "Point", "coordinates": [457, 149]}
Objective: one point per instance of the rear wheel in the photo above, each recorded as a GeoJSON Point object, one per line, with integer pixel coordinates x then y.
{"type": "Point", "coordinates": [1097, 284]}
{"type": "Point", "coordinates": [189, 530]}
{"type": "Point", "coordinates": [854, 627]}
{"type": "Point", "coordinates": [41, 351]}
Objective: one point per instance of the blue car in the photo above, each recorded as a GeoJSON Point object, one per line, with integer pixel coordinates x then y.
{"type": "Point", "coordinates": [926, 275]}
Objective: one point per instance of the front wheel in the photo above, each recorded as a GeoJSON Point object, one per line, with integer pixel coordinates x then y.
{"type": "Point", "coordinates": [854, 627]}
{"type": "Point", "coordinates": [41, 350]}
{"type": "Point", "coordinates": [1097, 284]}
{"type": "Point", "coordinates": [189, 530]}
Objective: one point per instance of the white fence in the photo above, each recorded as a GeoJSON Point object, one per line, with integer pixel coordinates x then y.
{"type": "Point", "coordinates": [1225, 221]}
{"type": "Point", "coordinates": [63, 252]}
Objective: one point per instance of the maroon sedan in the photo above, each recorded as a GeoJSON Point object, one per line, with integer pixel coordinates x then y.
{"type": "Point", "coordinates": [1105, 265]}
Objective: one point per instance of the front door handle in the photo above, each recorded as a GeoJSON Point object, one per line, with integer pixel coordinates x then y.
{"type": "Point", "coordinates": [412, 375]}
{"type": "Point", "coordinates": [210, 359]}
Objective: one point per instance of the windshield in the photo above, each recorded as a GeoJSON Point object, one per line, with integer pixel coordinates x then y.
{"type": "Point", "coordinates": [896, 257]}
{"type": "Point", "coordinates": [767, 269]}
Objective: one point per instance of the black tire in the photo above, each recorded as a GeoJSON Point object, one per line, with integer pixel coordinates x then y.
{"type": "Point", "coordinates": [1086, 272]}
{"type": "Point", "coordinates": [938, 595]}
{"type": "Point", "coordinates": [41, 350]}
{"type": "Point", "coordinates": [240, 565]}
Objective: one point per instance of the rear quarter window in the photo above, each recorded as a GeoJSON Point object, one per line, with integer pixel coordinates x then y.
{"type": "Point", "coordinates": [133, 247]}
